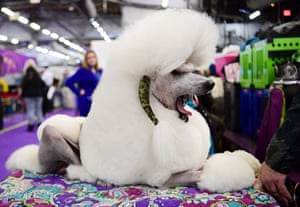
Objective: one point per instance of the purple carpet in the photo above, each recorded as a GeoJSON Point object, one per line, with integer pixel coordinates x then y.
{"type": "Point", "coordinates": [18, 137]}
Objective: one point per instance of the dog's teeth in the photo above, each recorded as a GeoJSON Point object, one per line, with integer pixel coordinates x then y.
{"type": "Point", "coordinates": [180, 108]}
{"type": "Point", "coordinates": [195, 100]}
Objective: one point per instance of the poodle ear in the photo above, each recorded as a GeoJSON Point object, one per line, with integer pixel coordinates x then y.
{"type": "Point", "coordinates": [69, 127]}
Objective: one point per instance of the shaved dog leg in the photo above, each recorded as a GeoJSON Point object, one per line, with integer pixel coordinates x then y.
{"type": "Point", "coordinates": [55, 153]}
{"type": "Point", "coordinates": [183, 178]}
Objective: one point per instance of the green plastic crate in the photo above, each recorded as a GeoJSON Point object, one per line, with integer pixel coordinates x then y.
{"type": "Point", "coordinates": [267, 54]}
{"type": "Point", "coordinates": [246, 67]}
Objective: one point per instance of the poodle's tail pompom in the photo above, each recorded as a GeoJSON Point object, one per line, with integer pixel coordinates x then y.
{"type": "Point", "coordinates": [225, 172]}
{"type": "Point", "coordinates": [24, 158]}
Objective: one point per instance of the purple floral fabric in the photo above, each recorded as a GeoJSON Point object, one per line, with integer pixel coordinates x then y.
{"type": "Point", "coordinates": [25, 188]}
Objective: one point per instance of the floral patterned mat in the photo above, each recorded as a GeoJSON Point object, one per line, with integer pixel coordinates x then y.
{"type": "Point", "coordinates": [24, 188]}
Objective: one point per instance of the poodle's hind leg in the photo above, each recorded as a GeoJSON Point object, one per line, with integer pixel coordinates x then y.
{"type": "Point", "coordinates": [55, 152]}
{"type": "Point", "coordinates": [190, 177]}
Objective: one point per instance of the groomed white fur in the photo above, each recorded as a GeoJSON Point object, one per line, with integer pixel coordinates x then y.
{"type": "Point", "coordinates": [118, 142]}
{"type": "Point", "coordinates": [25, 158]}
{"type": "Point", "coordinates": [228, 171]}
{"type": "Point", "coordinates": [68, 125]}
{"type": "Point", "coordinates": [249, 158]}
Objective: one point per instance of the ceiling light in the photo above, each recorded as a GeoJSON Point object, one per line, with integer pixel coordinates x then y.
{"type": "Point", "coordinates": [54, 35]}
{"type": "Point", "coordinates": [35, 26]}
{"type": "Point", "coordinates": [46, 31]}
{"type": "Point", "coordinates": [94, 23]}
{"type": "Point", "coordinates": [23, 20]}
{"type": "Point", "coordinates": [30, 46]}
{"type": "Point", "coordinates": [7, 11]}
{"type": "Point", "coordinates": [61, 39]}
{"type": "Point", "coordinates": [255, 14]}
{"type": "Point", "coordinates": [14, 41]}
{"type": "Point", "coordinates": [16, 16]}
{"type": "Point", "coordinates": [164, 3]}
{"type": "Point", "coordinates": [3, 38]}
{"type": "Point", "coordinates": [103, 34]}
{"type": "Point", "coordinates": [35, 1]}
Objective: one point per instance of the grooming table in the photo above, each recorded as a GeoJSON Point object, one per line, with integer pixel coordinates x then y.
{"type": "Point", "coordinates": [24, 188]}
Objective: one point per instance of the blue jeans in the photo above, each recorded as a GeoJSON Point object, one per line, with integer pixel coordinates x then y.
{"type": "Point", "coordinates": [34, 109]}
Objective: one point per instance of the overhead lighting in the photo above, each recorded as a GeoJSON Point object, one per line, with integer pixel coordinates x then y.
{"type": "Point", "coordinates": [3, 38]}
{"type": "Point", "coordinates": [94, 23]}
{"type": "Point", "coordinates": [7, 11]}
{"type": "Point", "coordinates": [103, 34]}
{"type": "Point", "coordinates": [35, 26]}
{"type": "Point", "coordinates": [23, 20]}
{"type": "Point", "coordinates": [54, 35]}
{"type": "Point", "coordinates": [254, 14]}
{"type": "Point", "coordinates": [46, 31]}
{"type": "Point", "coordinates": [35, 1]}
{"type": "Point", "coordinates": [62, 39]}
{"type": "Point", "coordinates": [14, 41]}
{"type": "Point", "coordinates": [30, 46]}
{"type": "Point", "coordinates": [16, 17]}
{"type": "Point", "coordinates": [164, 3]}
{"type": "Point", "coordinates": [97, 26]}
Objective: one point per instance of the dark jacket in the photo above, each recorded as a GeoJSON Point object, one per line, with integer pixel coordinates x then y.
{"type": "Point", "coordinates": [283, 152]}
{"type": "Point", "coordinates": [32, 85]}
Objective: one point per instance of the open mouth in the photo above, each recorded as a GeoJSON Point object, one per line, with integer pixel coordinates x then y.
{"type": "Point", "coordinates": [181, 101]}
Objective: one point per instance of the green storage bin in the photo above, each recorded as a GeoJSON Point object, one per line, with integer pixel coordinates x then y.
{"type": "Point", "coordinates": [267, 54]}
{"type": "Point", "coordinates": [246, 67]}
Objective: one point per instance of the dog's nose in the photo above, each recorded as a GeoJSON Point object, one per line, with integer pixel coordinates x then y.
{"type": "Point", "coordinates": [209, 85]}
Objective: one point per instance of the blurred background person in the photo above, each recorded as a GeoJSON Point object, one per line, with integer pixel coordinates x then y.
{"type": "Point", "coordinates": [48, 77]}
{"type": "Point", "coordinates": [32, 90]}
{"type": "Point", "coordinates": [84, 81]}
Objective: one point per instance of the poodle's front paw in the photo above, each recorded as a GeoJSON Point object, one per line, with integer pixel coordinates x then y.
{"type": "Point", "coordinates": [79, 172]}
{"type": "Point", "coordinates": [104, 183]}
{"type": "Point", "coordinates": [157, 179]}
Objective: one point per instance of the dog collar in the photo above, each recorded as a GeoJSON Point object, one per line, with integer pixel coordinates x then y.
{"type": "Point", "coordinates": [144, 95]}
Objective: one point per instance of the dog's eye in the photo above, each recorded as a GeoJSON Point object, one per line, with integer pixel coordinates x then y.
{"type": "Point", "coordinates": [198, 72]}
{"type": "Point", "coordinates": [176, 72]}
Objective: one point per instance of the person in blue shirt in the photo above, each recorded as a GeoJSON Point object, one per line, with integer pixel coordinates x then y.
{"type": "Point", "coordinates": [84, 81]}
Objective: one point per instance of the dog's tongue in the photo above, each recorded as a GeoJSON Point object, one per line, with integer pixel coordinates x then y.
{"type": "Point", "coordinates": [181, 101]}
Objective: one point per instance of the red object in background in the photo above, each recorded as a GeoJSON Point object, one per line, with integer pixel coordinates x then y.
{"type": "Point", "coordinates": [287, 12]}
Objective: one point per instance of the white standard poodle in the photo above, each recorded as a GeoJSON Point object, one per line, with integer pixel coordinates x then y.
{"type": "Point", "coordinates": [140, 129]}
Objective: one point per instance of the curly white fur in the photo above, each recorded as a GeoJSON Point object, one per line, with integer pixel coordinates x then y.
{"type": "Point", "coordinates": [118, 142]}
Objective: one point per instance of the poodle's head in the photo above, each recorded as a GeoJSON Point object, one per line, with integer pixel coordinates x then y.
{"type": "Point", "coordinates": [182, 85]}
{"type": "Point", "coordinates": [167, 47]}
{"type": "Point", "coordinates": [174, 90]}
